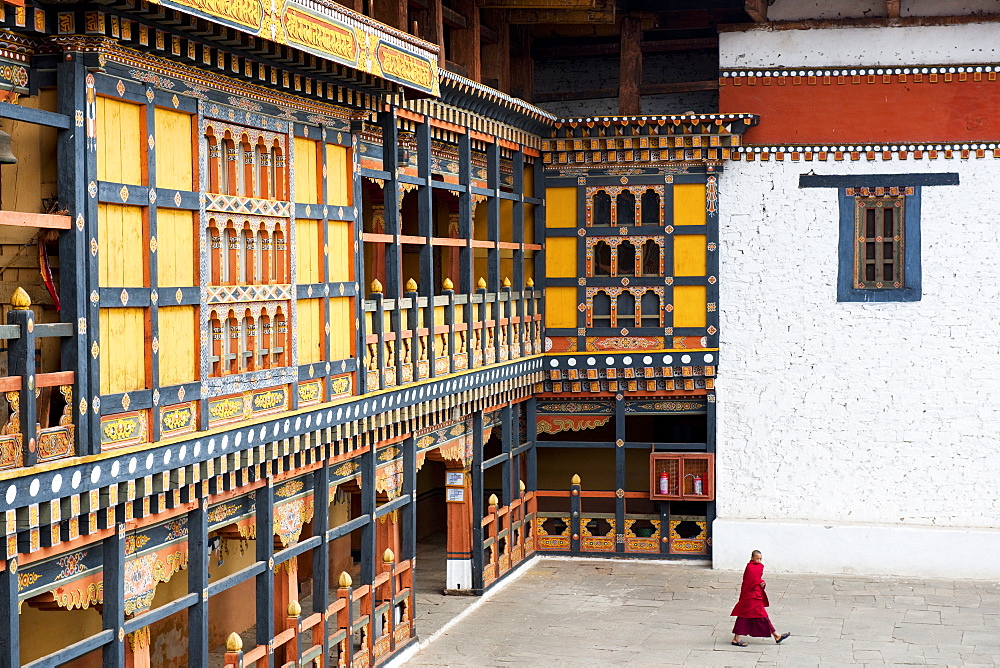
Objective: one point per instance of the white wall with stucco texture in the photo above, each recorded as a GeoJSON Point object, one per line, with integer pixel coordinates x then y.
{"type": "Point", "coordinates": [836, 414]}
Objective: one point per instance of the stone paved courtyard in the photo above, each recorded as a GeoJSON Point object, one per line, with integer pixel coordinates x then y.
{"type": "Point", "coordinates": [602, 613]}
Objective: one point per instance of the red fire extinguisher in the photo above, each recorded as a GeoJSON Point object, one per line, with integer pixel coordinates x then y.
{"type": "Point", "coordinates": [698, 485]}
{"type": "Point", "coordinates": [664, 483]}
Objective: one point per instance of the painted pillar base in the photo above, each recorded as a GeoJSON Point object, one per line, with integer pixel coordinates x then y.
{"type": "Point", "coordinates": [459, 574]}
{"type": "Point", "coordinates": [858, 549]}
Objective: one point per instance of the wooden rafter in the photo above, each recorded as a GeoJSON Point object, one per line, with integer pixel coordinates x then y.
{"type": "Point", "coordinates": [757, 9]}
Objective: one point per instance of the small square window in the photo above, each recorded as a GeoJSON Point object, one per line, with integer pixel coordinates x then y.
{"type": "Point", "coordinates": [879, 245]}
{"type": "Point", "coordinates": [878, 254]}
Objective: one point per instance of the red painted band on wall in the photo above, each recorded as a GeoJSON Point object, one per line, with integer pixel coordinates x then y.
{"type": "Point", "coordinates": [851, 110]}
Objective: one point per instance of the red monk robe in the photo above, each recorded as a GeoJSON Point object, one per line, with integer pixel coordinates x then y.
{"type": "Point", "coordinates": [753, 598]}
{"type": "Point", "coordinates": [751, 617]}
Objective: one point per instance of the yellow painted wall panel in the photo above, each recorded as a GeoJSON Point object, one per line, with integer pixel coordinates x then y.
{"type": "Point", "coordinates": [307, 251]}
{"type": "Point", "coordinates": [176, 249]}
{"type": "Point", "coordinates": [689, 305]}
{"type": "Point", "coordinates": [338, 239]}
{"type": "Point", "coordinates": [310, 331]}
{"type": "Point", "coordinates": [689, 204]}
{"type": "Point", "coordinates": [506, 220]}
{"type": "Point", "coordinates": [306, 171]}
{"type": "Point", "coordinates": [560, 257]}
{"type": "Point", "coordinates": [178, 337]}
{"type": "Point", "coordinates": [123, 347]}
{"type": "Point", "coordinates": [529, 223]}
{"type": "Point", "coordinates": [560, 307]}
{"type": "Point", "coordinates": [174, 164]}
{"type": "Point", "coordinates": [121, 141]}
{"type": "Point", "coordinates": [338, 176]}
{"type": "Point", "coordinates": [560, 207]}
{"type": "Point", "coordinates": [341, 328]}
{"type": "Point", "coordinates": [689, 254]}
{"type": "Point", "coordinates": [121, 249]}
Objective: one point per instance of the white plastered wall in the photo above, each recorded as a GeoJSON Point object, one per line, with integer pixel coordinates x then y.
{"type": "Point", "coordinates": [857, 437]}
{"type": "Point", "coordinates": [960, 44]}
{"type": "Point", "coordinates": [797, 10]}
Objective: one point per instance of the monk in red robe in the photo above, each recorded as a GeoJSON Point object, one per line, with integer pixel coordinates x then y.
{"type": "Point", "coordinates": [751, 617]}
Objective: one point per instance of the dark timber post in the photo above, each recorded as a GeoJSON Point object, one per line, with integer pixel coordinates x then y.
{"type": "Point", "coordinates": [72, 160]}
{"type": "Point", "coordinates": [630, 67]}
{"type": "Point", "coordinates": [10, 627]}
{"type": "Point", "coordinates": [21, 361]}
{"type": "Point", "coordinates": [264, 503]}
{"type": "Point", "coordinates": [620, 473]}
{"type": "Point", "coordinates": [197, 621]}
{"type": "Point", "coordinates": [113, 613]}
{"type": "Point", "coordinates": [321, 553]}
{"type": "Point", "coordinates": [477, 500]}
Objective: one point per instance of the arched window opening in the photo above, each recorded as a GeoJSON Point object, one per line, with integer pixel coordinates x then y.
{"type": "Point", "coordinates": [651, 258]}
{"type": "Point", "coordinates": [264, 342]}
{"type": "Point", "coordinates": [232, 275]}
{"type": "Point", "coordinates": [602, 259]}
{"type": "Point", "coordinates": [248, 334]}
{"type": "Point", "coordinates": [218, 345]}
{"type": "Point", "coordinates": [651, 210]}
{"type": "Point", "coordinates": [278, 171]}
{"type": "Point", "coordinates": [228, 177]}
{"type": "Point", "coordinates": [233, 335]}
{"type": "Point", "coordinates": [246, 188]}
{"type": "Point", "coordinates": [280, 266]}
{"type": "Point", "coordinates": [265, 184]}
{"type": "Point", "coordinates": [601, 209]}
{"type": "Point", "coordinates": [625, 208]}
{"type": "Point", "coordinates": [263, 257]}
{"type": "Point", "coordinates": [601, 310]}
{"type": "Point", "coordinates": [626, 310]}
{"type": "Point", "coordinates": [217, 254]}
{"type": "Point", "coordinates": [626, 259]}
{"type": "Point", "coordinates": [280, 340]}
{"type": "Point", "coordinates": [249, 255]}
{"type": "Point", "coordinates": [214, 161]}
{"type": "Point", "coordinates": [650, 305]}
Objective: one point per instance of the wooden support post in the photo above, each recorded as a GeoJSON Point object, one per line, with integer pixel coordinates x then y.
{"type": "Point", "coordinates": [390, 163]}
{"type": "Point", "coordinates": [465, 42]}
{"type": "Point", "coordinates": [413, 324]}
{"type": "Point", "coordinates": [378, 329]}
{"type": "Point", "coordinates": [392, 12]}
{"type": "Point", "coordinates": [449, 319]}
{"type": "Point", "coordinates": [10, 634]}
{"type": "Point", "coordinates": [496, 57]}
{"type": "Point", "coordinates": [630, 67]}
{"type": "Point", "coordinates": [321, 553]}
{"type": "Point", "coordinates": [477, 500]}
{"type": "Point", "coordinates": [198, 555]}
{"type": "Point", "coordinates": [113, 613]}
{"type": "Point", "coordinates": [73, 177]}
{"type": "Point", "coordinates": [234, 651]}
{"type": "Point", "coordinates": [21, 362]}
{"type": "Point", "coordinates": [357, 228]}
{"type": "Point", "coordinates": [532, 482]}
{"type": "Point", "coordinates": [425, 228]}
{"type": "Point", "coordinates": [574, 512]}
{"type": "Point", "coordinates": [620, 473]}
{"type": "Point", "coordinates": [460, 545]}
{"type": "Point", "coordinates": [522, 67]}
{"type": "Point", "coordinates": [368, 536]}
{"type": "Point", "coordinates": [507, 442]}
{"type": "Point", "coordinates": [264, 504]}
{"type": "Point", "coordinates": [345, 619]}
{"type": "Point", "coordinates": [465, 279]}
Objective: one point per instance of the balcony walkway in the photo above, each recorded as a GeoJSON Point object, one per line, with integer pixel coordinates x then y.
{"type": "Point", "coordinates": [602, 613]}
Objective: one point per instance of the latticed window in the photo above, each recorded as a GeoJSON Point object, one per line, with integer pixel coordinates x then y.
{"type": "Point", "coordinates": [879, 253]}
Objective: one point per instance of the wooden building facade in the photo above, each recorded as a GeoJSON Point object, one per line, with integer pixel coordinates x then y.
{"type": "Point", "coordinates": [290, 260]}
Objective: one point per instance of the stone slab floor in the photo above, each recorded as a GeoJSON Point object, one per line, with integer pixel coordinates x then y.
{"type": "Point", "coordinates": [637, 613]}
